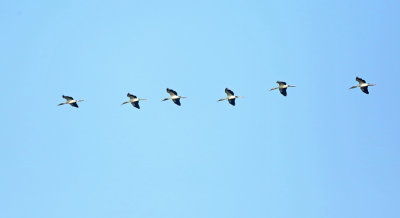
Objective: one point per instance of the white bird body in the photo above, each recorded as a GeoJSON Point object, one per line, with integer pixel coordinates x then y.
{"type": "Point", "coordinates": [284, 86]}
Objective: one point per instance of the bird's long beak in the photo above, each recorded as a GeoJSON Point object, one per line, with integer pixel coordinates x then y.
{"type": "Point", "coordinates": [144, 99]}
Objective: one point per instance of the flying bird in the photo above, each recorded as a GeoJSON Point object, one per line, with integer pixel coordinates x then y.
{"type": "Point", "coordinates": [230, 97]}
{"type": "Point", "coordinates": [282, 87]}
{"type": "Point", "coordinates": [174, 97]}
{"type": "Point", "coordinates": [70, 101]}
{"type": "Point", "coordinates": [133, 100]}
{"type": "Point", "coordinates": [362, 84]}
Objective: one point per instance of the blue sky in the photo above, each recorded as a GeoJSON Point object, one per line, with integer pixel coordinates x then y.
{"type": "Point", "coordinates": [322, 151]}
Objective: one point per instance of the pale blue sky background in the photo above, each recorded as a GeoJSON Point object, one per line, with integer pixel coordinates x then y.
{"type": "Point", "coordinates": [323, 151]}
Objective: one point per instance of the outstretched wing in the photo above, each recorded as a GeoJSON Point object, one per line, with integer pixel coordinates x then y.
{"type": "Point", "coordinates": [232, 101]}
{"type": "Point", "coordinates": [229, 92]}
{"type": "Point", "coordinates": [74, 104]}
{"type": "Point", "coordinates": [359, 80]}
{"type": "Point", "coordinates": [365, 89]}
{"type": "Point", "coordinates": [136, 104]}
{"type": "Point", "coordinates": [131, 96]}
{"type": "Point", "coordinates": [171, 92]}
{"type": "Point", "coordinates": [283, 91]}
{"type": "Point", "coordinates": [68, 98]}
{"type": "Point", "coordinates": [281, 83]}
{"type": "Point", "coordinates": [177, 101]}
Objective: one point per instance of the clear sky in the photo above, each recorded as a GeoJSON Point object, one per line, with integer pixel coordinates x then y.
{"type": "Point", "coordinates": [322, 151]}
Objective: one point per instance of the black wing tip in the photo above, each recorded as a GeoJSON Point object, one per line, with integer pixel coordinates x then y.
{"type": "Point", "coordinates": [365, 90]}
{"type": "Point", "coordinates": [177, 101]}
{"type": "Point", "coordinates": [229, 91]}
{"type": "Point", "coordinates": [136, 105]}
{"type": "Point", "coordinates": [283, 92]}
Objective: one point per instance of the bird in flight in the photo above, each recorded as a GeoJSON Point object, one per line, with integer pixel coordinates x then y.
{"type": "Point", "coordinates": [230, 97]}
{"type": "Point", "coordinates": [363, 85]}
{"type": "Point", "coordinates": [70, 101]}
{"type": "Point", "coordinates": [174, 97]}
{"type": "Point", "coordinates": [282, 87]}
{"type": "Point", "coordinates": [133, 100]}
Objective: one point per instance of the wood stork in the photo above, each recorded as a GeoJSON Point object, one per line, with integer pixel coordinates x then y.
{"type": "Point", "coordinates": [282, 87]}
{"type": "Point", "coordinates": [133, 100]}
{"type": "Point", "coordinates": [362, 84]}
{"type": "Point", "coordinates": [174, 97]}
{"type": "Point", "coordinates": [230, 97]}
{"type": "Point", "coordinates": [70, 101]}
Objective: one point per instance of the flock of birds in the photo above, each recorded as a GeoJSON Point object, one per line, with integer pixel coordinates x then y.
{"type": "Point", "coordinates": [231, 97]}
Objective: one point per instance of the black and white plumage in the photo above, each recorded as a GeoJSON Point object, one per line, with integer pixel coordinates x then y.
{"type": "Point", "coordinates": [230, 97]}
{"type": "Point", "coordinates": [363, 85]}
{"type": "Point", "coordinates": [133, 100]}
{"type": "Point", "coordinates": [70, 101]}
{"type": "Point", "coordinates": [282, 87]}
{"type": "Point", "coordinates": [174, 97]}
